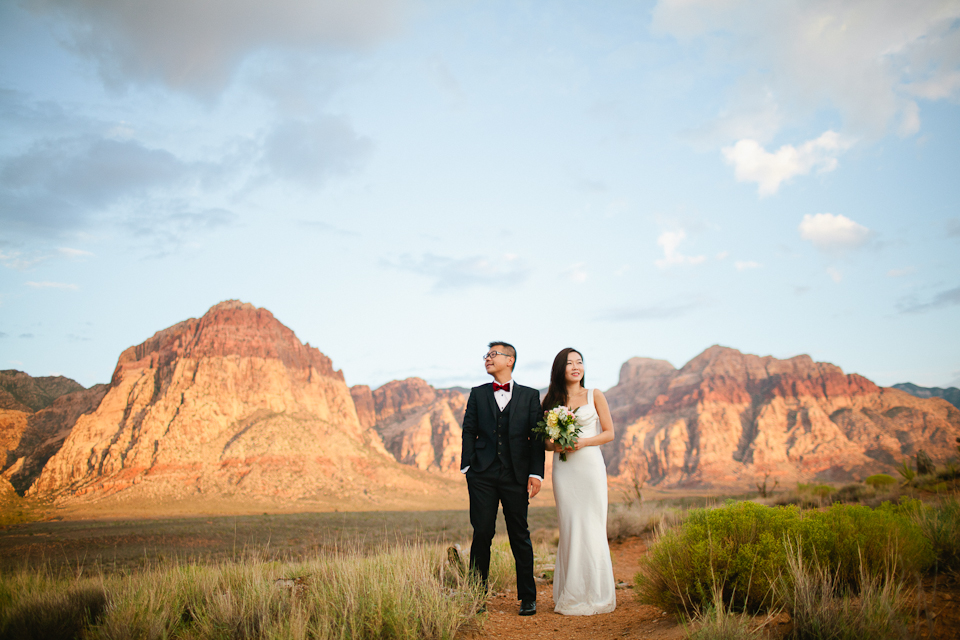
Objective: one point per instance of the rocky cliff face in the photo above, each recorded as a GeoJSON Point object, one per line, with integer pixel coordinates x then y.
{"type": "Point", "coordinates": [419, 425]}
{"type": "Point", "coordinates": [231, 405]}
{"type": "Point", "coordinates": [727, 418]}
{"type": "Point", "coordinates": [20, 391]}
{"type": "Point", "coordinates": [30, 439]}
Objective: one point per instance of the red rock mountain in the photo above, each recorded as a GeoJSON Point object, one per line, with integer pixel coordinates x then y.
{"type": "Point", "coordinates": [727, 418]}
{"type": "Point", "coordinates": [418, 424]}
{"type": "Point", "coordinates": [228, 406]}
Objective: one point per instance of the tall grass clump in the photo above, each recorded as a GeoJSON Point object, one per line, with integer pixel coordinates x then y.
{"type": "Point", "coordinates": [38, 606]}
{"type": "Point", "coordinates": [719, 622]}
{"type": "Point", "coordinates": [940, 524]}
{"type": "Point", "coordinates": [638, 518]}
{"type": "Point", "coordinates": [741, 549]}
{"type": "Point", "coordinates": [401, 593]}
{"type": "Point", "coordinates": [822, 607]}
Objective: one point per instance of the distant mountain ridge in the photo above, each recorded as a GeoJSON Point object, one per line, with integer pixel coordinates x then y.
{"type": "Point", "coordinates": [232, 406]}
{"type": "Point", "coordinates": [950, 394]}
{"type": "Point", "coordinates": [726, 418]}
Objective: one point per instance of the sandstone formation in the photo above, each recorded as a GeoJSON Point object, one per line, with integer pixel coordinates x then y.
{"type": "Point", "coordinates": [20, 391]}
{"type": "Point", "coordinates": [727, 419]}
{"type": "Point", "coordinates": [40, 435]}
{"type": "Point", "coordinates": [418, 424]}
{"type": "Point", "coordinates": [228, 406]}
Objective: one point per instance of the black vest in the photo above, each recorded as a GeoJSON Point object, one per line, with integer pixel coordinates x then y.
{"type": "Point", "coordinates": [503, 436]}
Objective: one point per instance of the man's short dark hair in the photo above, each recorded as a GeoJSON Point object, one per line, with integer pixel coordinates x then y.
{"type": "Point", "coordinates": [512, 350]}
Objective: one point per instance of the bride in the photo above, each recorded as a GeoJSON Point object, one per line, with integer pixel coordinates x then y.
{"type": "Point", "coordinates": [583, 581]}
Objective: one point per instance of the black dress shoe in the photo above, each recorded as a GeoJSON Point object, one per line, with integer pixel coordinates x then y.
{"type": "Point", "coordinates": [528, 607]}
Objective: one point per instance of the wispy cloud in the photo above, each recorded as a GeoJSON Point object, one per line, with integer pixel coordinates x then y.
{"type": "Point", "coordinates": [833, 233]}
{"type": "Point", "coordinates": [74, 253]}
{"type": "Point", "coordinates": [744, 265]}
{"type": "Point", "coordinates": [899, 273]}
{"type": "Point", "coordinates": [458, 273]}
{"type": "Point", "coordinates": [834, 274]}
{"type": "Point", "coordinates": [661, 311]}
{"type": "Point", "coordinates": [16, 260]}
{"type": "Point", "coordinates": [670, 241]}
{"type": "Point", "coordinates": [52, 285]}
{"type": "Point", "coordinates": [308, 152]}
{"type": "Point", "coordinates": [948, 298]}
{"type": "Point", "coordinates": [752, 163]}
{"type": "Point", "coordinates": [325, 227]}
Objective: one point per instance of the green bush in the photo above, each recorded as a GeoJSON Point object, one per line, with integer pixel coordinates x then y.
{"type": "Point", "coordinates": [739, 550]}
{"type": "Point", "coordinates": [940, 524]}
{"type": "Point", "coordinates": [880, 480]}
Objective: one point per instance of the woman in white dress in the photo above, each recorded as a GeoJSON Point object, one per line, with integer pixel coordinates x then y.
{"type": "Point", "coordinates": [583, 583]}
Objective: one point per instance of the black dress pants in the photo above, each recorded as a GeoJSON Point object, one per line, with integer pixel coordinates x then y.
{"type": "Point", "coordinates": [488, 489]}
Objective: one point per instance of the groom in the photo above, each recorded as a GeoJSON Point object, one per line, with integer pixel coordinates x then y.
{"type": "Point", "coordinates": [503, 461]}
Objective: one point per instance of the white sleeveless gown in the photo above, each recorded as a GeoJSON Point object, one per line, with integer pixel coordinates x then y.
{"type": "Point", "coordinates": [583, 582]}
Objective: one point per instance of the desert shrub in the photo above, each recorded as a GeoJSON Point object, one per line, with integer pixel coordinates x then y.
{"type": "Point", "coordinates": [940, 524]}
{"type": "Point", "coordinates": [853, 494]}
{"type": "Point", "coordinates": [820, 490]}
{"type": "Point", "coordinates": [823, 608]}
{"type": "Point", "coordinates": [635, 519]}
{"type": "Point", "coordinates": [846, 538]}
{"type": "Point", "coordinates": [741, 549]}
{"type": "Point", "coordinates": [737, 548]}
{"type": "Point", "coordinates": [880, 481]}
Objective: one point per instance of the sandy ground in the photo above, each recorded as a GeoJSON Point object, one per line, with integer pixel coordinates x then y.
{"type": "Point", "coordinates": [630, 620]}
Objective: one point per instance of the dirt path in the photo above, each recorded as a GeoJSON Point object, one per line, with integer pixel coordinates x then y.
{"type": "Point", "coordinates": [630, 620]}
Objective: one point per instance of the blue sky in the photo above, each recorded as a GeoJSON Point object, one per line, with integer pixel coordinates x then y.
{"type": "Point", "coordinates": [401, 182]}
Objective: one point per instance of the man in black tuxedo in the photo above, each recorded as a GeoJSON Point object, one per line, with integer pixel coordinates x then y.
{"type": "Point", "coordinates": [503, 461]}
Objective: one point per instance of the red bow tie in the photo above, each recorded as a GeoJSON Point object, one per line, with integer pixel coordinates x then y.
{"type": "Point", "coordinates": [505, 386]}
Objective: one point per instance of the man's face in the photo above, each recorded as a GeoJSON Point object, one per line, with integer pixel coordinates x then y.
{"type": "Point", "coordinates": [496, 361]}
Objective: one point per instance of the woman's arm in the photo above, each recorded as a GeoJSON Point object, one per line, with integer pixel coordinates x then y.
{"type": "Point", "coordinates": [606, 423]}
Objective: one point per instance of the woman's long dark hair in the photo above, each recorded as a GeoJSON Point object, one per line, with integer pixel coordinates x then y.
{"type": "Point", "coordinates": [557, 393]}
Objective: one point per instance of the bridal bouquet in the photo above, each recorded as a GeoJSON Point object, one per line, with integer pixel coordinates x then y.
{"type": "Point", "coordinates": [560, 425]}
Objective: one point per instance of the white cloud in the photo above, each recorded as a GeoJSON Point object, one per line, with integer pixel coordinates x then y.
{"type": "Point", "coordinates": [833, 233]}
{"type": "Point", "coordinates": [51, 285]}
{"type": "Point", "coordinates": [74, 253]}
{"type": "Point", "coordinates": [723, 255]}
{"type": "Point", "coordinates": [576, 272]}
{"type": "Point", "coordinates": [16, 260]}
{"type": "Point", "coordinates": [670, 241]}
{"type": "Point", "coordinates": [196, 46]}
{"type": "Point", "coordinates": [867, 59]}
{"type": "Point", "coordinates": [752, 163]}
{"type": "Point", "coordinates": [458, 273]}
{"type": "Point", "coordinates": [834, 274]}
{"type": "Point", "coordinates": [743, 265]}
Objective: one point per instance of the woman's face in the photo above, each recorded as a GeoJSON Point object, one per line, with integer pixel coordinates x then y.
{"type": "Point", "coordinates": [574, 372]}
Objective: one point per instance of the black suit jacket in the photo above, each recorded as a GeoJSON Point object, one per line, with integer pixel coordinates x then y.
{"type": "Point", "coordinates": [480, 431]}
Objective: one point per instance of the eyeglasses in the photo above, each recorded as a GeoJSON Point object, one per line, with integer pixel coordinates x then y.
{"type": "Point", "coordinates": [494, 354]}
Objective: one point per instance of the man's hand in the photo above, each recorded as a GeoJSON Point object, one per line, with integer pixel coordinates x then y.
{"type": "Point", "coordinates": [533, 487]}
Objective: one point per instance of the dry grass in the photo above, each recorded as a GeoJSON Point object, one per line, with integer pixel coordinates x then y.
{"type": "Point", "coordinates": [406, 591]}
{"type": "Point", "coordinates": [824, 608]}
